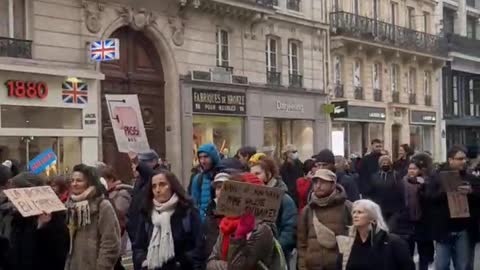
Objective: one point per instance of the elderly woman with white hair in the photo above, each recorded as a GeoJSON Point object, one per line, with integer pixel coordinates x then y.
{"type": "Point", "coordinates": [370, 245]}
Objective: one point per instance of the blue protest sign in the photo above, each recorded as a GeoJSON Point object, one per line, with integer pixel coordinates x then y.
{"type": "Point", "coordinates": [40, 163]}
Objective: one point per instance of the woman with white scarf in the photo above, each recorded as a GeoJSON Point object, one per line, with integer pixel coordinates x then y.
{"type": "Point", "coordinates": [169, 235]}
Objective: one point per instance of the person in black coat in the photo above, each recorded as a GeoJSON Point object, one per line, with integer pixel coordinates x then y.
{"type": "Point", "coordinates": [373, 246]}
{"type": "Point", "coordinates": [291, 170]}
{"type": "Point", "coordinates": [368, 167]}
{"type": "Point", "coordinates": [401, 164]}
{"type": "Point", "coordinates": [169, 235]}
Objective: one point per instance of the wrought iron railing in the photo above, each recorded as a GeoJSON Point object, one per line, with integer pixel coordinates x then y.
{"type": "Point", "coordinates": [338, 91]}
{"type": "Point", "coordinates": [274, 78]}
{"type": "Point", "coordinates": [19, 48]}
{"type": "Point", "coordinates": [293, 5]}
{"type": "Point", "coordinates": [396, 97]}
{"type": "Point", "coordinates": [412, 98]}
{"type": "Point", "coordinates": [428, 100]}
{"type": "Point", "coordinates": [374, 30]}
{"type": "Point", "coordinates": [377, 95]}
{"type": "Point", "coordinates": [358, 92]}
{"type": "Point", "coordinates": [295, 80]}
{"type": "Point", "coordinates": [464, 45]}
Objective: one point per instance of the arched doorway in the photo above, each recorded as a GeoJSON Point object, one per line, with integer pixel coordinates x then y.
{"type": "Point", "coordinates": [139, 71]}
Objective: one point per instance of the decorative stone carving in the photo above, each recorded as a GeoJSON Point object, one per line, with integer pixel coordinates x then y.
{"type": "Point", "coordinates": [178, 29]}
{"type": "Point", "coordinates": [93, 16]}
{"type": "Point", "coordinates": [258, 20]}
{"type": "Point", "coordinates": [138, 20]}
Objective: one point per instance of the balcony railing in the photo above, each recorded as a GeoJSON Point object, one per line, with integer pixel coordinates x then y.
{"type": "Point", "coordinates": [19, 48]}
{"type": "Point", "coordinates": [412, 98]}
{"type": "Point", "coordinates": [358, 94]}
{"type": "Point", "coordinates": [377, 95]}
{"type": "Point", "coordinates": [339, 93]}
{"type": "Point", "coordinates": [274, 78]}
{"type": "Point", "coordinates": [396, 97]}
{"type": "Point", "coordinates": [464, 45]}
{"type": "Point", "coordinates": [293, 5]}
{"type": "Point", "coordinates": [296, 80]}
{"type": "Point", "coordinates": [373, 30]}
{"type": "Point", "coordinates": [428, 100]}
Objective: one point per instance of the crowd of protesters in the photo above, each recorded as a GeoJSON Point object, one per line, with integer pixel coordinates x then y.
{"type": "Point", "coordinates": [335, 214]}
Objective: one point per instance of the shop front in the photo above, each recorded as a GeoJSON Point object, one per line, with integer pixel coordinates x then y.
{"type": "Point", "coordinates": [422, 130]}
{"type": "Point", "coordinates": [353, 128]}
{"type": "Point", "coordinates": [41, 112]}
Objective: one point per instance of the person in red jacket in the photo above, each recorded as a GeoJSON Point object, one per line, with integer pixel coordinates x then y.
{"type": "Point", "coordinates": [304, 183]}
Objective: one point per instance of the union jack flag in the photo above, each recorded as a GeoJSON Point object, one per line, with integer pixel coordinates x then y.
{"type": "Point", "coordinates": [74, 92]}
{"type": "Point", "coordinates": [105, 50]}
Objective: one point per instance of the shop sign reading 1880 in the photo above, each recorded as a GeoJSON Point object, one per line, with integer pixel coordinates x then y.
{"type": "Point", "coordinates": [213, 101]}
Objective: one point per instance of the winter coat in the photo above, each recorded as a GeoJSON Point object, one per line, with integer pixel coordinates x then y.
{"type": "Point", "coordinates": [368, 167]}
{"type": "Point", "coordinates": [201, 189]}
{"type": "Point", "coordinates": [401, 166]}
{"type": "Point", "coordinates": [96, 245]}
{"type": "Point", "coordinates": [439, 214]}
{"type": "Point", "coordinates": [335, 215]}
{"type": "Point", "coordinates": [385, 251]}
{"type": "Point", "coordinates": [304, 185]}
{"type": "Point", "coordinates": [187, 235]}
{"type": "Point", "coordinates": [211, 227]}
{"type": "Point", "coordinates": [286, 221]}
{"type": "Point", "coordinates": [244, 254]}
{"type": "Point", "coordinates": [388, 191]}
{"type": "Point", "coordinates": [350, 186]}
{"type": "Point", "coordinates": [418, 226]}
{"type": "Point", "coordinates": [27, 247]}
{"type": "Point", "coordinates": [290, 173]}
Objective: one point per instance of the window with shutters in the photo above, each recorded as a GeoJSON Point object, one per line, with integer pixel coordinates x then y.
{"type": "Point", "coordinates": [223, 54]}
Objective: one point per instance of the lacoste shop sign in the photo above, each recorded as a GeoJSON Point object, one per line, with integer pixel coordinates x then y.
{"type": "Point", "coordinates": [222, 102]}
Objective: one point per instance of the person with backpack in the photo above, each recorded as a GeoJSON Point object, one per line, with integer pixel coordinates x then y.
{"type": "Point", "coordinates": [92, 223]}
{"type": "Point", "coordinates": [201, 186]}
{"type": "Point", "coordinates": [245, 242]}
{"type": "Point", "coordinates": [120, 195]}
{"type": "Point", "coordinates": [326, 216]}
{"type": "Point", "coordinates": [169, 235]}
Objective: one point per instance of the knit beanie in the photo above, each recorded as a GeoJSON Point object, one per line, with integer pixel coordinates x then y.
{"type": "Point", "coordinates": [325, 156]}
{"type": "Point", "coordinates": [256, 158]}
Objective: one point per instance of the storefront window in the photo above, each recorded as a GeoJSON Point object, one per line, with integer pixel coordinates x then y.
{"type": "Point", "coordinates": [40, 117]}
{"type": "Point", "coordinates": [356, 137]}
{"type": "Point", "coordinates": [421, 138]}
{"type": "Point", "coordinates": [24, 149]}
{"type": "Point", "coordinates": [279, 132]}
{"type": "Point", "coordinates": [225, 132]}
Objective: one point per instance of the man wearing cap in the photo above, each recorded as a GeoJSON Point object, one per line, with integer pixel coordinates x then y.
{"type": "Point", "coordinates": [326, 216]}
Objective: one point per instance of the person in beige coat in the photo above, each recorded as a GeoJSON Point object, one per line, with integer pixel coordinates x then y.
{"type": "Point", "coordinates": [92, 223]}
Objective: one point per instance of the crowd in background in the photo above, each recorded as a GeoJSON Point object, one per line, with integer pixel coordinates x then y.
{"type": "Point", "coordinates": [336, 213]}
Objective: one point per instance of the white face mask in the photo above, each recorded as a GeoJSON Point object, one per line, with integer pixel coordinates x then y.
{"type": "Point", "coordinates": [294, 156]}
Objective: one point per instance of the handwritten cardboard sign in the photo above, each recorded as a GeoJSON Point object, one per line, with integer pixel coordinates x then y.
{"type": "Point", "coordinates": [238, 198]}
{"type": "Point", "coordinates": [450, 180]}
{"type": "Point", "coordinates": [34, 201]}
{"type": "Point", "coordinates": [458, 205]}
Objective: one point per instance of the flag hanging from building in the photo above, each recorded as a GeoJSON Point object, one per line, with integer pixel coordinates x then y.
{"type": "Point", "coordinates": [75, 91]}
{"type": "Point", "coordinates": [105, 50]}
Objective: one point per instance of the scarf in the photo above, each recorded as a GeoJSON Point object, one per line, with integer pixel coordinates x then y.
{"type": "Point", "coordinates": [228, 226]}
{"type": "Point", "coordinates": [325, 201]}
{"type": "Point", "coordinates": [78, 212]}
{"type": "Point", "coordinates": [272, 183]}
{"type": "Point", "coordinates": [161, 248]}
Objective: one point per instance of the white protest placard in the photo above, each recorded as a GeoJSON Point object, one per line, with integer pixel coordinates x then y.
{"type": "Point", "coordinates": [34, 201]}
{"type": "Point", "coordinates": [238, 198]}
{"type": "Point", "coordinates": [127, 123]}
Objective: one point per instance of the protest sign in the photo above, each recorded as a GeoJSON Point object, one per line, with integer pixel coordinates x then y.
{"type": "Point", "coordinates": [450, 180]}
{"type": "Point", "coordinates": [458, 205]}
{"type": "Point", "coordinates": [127, 123]}
{"type": "Point", "coordinates": [34, 201]}
{"type": "Point", "coordinates": [238, 198]}
{"type": "Point", "coordinates": [43, 162]}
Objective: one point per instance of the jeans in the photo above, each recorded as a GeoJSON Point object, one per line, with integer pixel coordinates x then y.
{"type": "Point", "coordinates": [456, 248]}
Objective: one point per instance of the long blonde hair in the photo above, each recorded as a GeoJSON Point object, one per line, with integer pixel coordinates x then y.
{"type": "Point", "coordinates": [374, 212]}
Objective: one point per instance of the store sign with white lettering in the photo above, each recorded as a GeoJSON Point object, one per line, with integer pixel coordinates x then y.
{"type": "Point", "coordinates": [221, 102]}
{"type": "Point", "coordinates": [423, 117]}
{"type": "Point", "coordinates": [290, 107]}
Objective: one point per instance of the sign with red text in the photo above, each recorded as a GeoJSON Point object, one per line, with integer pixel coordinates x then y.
{"type": "Point", "coordinates": [26, 89]}
{"type": "Point", "coordinates": [127, 123]}
{"type": "Point", "coordinates": [34, 201]}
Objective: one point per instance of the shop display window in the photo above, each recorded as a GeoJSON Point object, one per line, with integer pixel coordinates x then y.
{"type": "Point", "coordinates": [421, 138]}
{"type": "Point", "coordinates": [225, 132]}
{"type": "Point", "coordinates": [356, 137]}
{"type": "Point", "coordinates": [280, 132]}
{"type": "Point", "coordinates": [40, 117]}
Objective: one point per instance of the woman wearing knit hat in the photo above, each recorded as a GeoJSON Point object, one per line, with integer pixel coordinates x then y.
{"type": "Point", "coordinates": [92, 222]}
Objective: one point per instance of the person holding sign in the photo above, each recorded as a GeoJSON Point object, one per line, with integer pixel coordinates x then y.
{"type": "Point", "coordinates": [31, 242]}
{"type": "Point", "coordinates": [92, 223]}
{"type": "Point", "coordinates": [450, 219]}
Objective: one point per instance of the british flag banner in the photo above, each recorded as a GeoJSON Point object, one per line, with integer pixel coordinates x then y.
{"type": "Point", "coordinates": [75, 92]}
{"type": "Point", "coordinates": [105, 50]}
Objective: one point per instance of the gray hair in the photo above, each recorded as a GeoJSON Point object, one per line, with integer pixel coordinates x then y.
{"type": "Point", "coordinates": [374, 212]}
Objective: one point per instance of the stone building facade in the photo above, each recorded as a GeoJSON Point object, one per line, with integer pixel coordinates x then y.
{"type": "Point", "coordinates": [229, 72]}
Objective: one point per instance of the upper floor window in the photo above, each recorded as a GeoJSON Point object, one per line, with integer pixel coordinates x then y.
{"type": "Point", "coordinates": [12, 19]}
{"type": "Point", "coordinates": [412, 81]}
{"type": "Point", "coordinates": [427, 83]}
{"type": "Point", "coordinates": [293, 5]}
{"type": "Point", "coordinates": [394, 78]}
{"type": "Point", "coordinates": [271, 51]}
{"type": "Point", "coordinates": [411, 17]}
{"type": "Point", "coordinates": [448, 20]}
{"type": "Point", "coordinates": [375, 9]}
{"type": "Point", "coordinates": [223, 55]}
{"type": "Point", "coordinates": [338, 62]}
{"type": "Point", "coordinates": [394, 13]}
{"type": "Point", "coordinates": [471, 27]}
{"type": "Point", "coordinates": [293, 57]}
{"type": "Point", "coordinates": [377, 76]}
{"type": "Point", "coordinates": [356, 7]}
{"type": "Point", "coordinates": [455, 94]}
{"type": "Point", "coordinates": [426, 22]}
{"type": "Point", "coordinates": [357, 73]}
{"type": "Point", "coordinates": [473, 97]}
